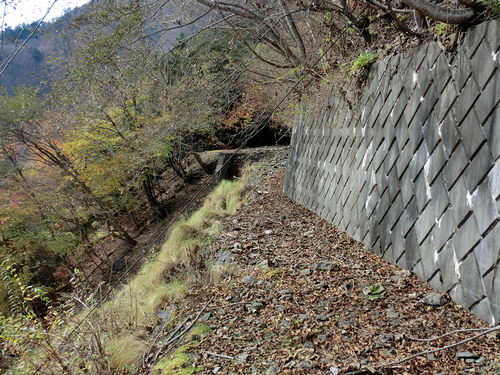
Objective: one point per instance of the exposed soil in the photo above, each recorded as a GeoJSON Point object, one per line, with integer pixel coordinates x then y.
{"type": "Point", "coordinates": [296, 301]}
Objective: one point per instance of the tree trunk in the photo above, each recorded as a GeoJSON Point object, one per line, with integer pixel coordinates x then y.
{"type": "Point", "coordinates": [178, 168]}
{"type": "Point", "coordinates": [157, 207]}
{"type": "Point", "coordinates": [440, 13]}
{"type": "Point", "coordinates": [202, 163]}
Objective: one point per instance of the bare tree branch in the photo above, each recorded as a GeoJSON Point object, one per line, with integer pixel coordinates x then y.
{"type": "Point", "coordinates": [4, 66]}
{"type": "Point", "coordinates": [293, 31]}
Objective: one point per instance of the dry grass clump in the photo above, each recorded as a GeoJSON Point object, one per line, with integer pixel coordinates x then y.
{"type": "Point", "coordinates": [179, 264]}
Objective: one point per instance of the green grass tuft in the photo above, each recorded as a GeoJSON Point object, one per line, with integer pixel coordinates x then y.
{"type": "Point", "coordinates": [178, 363]}
{"type": "Point", "coordinates": [125, 350]}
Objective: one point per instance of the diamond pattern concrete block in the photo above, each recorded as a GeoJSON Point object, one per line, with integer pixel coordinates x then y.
{"type": "Point", "coordinates": [470, 277]}
{"type": "Point", "coordinates": [436, 282]}
{"type": "Point", "coordinates": [466, 100]}
{"type": "Point", "coordinates": [409, 216]}
{"type": "Point", "coordinates": [419, 271]}
{"type": "Point", "coordinates": [494, 180]}
{"type": "Point", "coordinates": [404, 160]}
{"type": "Point", "coordinates": [487, 251]}
{"type": "Point", "coordinates": [479, 167]}
{"type": "Point", "coordinates": [424, 223]}
{"type": "Point", "coordinates": [412, 254]}
{"type": "Point", "coordinates": [442, 73]}
{"type": "Point", "coordinates": [456, 164]}
{"type": "Point", "coordinates": [419, 159]}
{"type": "Point", "coordinates": [437, 162]}
{"type": "Point", "coordinates": [462, 71]}
{"type": "Point", "coordinates": [483, 58]}
{"type": "Point", "coordinates": [448, 97]}
{"type": "Point", "coordinates": [466, 237]}
{"type": "Point", "coordinates": [485, 211]}
{"type": "Point", "coordinates": [495, 295]}
{"type": "Point", "coordinates": [444, 229]}
{"type": "Point", "coordinates": [487, 102]}
{"type": "Point", "coordinates": [456, 294]}
{"type": "Point", "coordinates": [492, 130]}
{"type": "Point", "coordinates": [448, 266]}
{"type": "Point", "coordinates": [439, 196]}
{"type": "Point", "coordinates": [407, 188]}
{"type": "Point", "coordinates": [449, 133]}
{"type": "Point", "coordinates": [492, 36]}
{"type": "Point", "coordinates": [429, 256]}
{"type": "Point", "coordinates": [473, 38]}
{"type": "Point", "coordinates": [484, 311]}
{"type": "Point", "coordinates": [471, 133]}
{"type": "Point", "coordinates": [431, 136]}
{"type": "Point", "coordinates": [393, 183]}
{"type": "Point", "coordinates": [460, 205]}
{"type": "Point", "coordinates": [422, 191]}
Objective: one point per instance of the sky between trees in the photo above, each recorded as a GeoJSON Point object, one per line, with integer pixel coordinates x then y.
{"type": "Point", "coordinates": [27, 11]}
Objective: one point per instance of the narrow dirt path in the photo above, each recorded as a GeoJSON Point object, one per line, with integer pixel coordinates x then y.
{"type": "Point", "coordinates": [297, 302]}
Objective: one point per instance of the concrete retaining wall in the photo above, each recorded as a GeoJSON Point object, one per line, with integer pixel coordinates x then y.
{"type": "Point", "coordinates": [413, 169]}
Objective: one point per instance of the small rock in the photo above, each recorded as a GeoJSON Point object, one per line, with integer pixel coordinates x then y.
{"type": "Point", "coordinates": [257, 306]}
{"type": "Point", "coordinates": [323, 306]}
{"type": "Point", "coordinates": [434, 299]}
{"type": "Point", "coordinates": [285, 323]}
{"type": "Point", "coordinates": [301, 317]}
{"type": "Point", "coordinates": [249, 280]}
{"type": "Point", "coordinates": [343, 324]}
{"type": "Point", "coordinates": [216, 369]}
{"type": "Point", "coordinates": [322, 285]}
{"type": "Point", "coordinates": [467, 355]}
{"type": "Point", "coordinates": [225, 257]}
{"type": "Point", "coordinates": [334, 370]}
{"type": "Point", "coordinates": [280, 308]}
{"type": "Point", "coordinates": [322, 337]}
{"type": "Point", "coordinates": [272, 370]}
{"type": "Point", "coordinates": [396, 279]}
{"type": "Point", "coordinates": [262, 265]}
{"type": "Point", "coordinates": [306, 365]}
{"type": "Point", "coordinates": [306, 272]}
{"type": "Point", "coordinates": [236, 246]}
{"type": "Point", "coordinates": [326, 266]}
{"type": "Point", "coordinates": [383, 340]}
{"type": "Point", "coordinates": [309, 233]}
{"type": "Point", "coordinates": [391, 313]}
{"type": "Point", "coordinates": [205, 317]}
{"type": "Point", "coordinates": [347, 287]}
{"type": "Point", "coordinates": [268, 232]}
{"type": "Point", "coordinates": [322, 317]}
{"type": "Point", "coordinates": [308, 345]}
{"type": "Point", "coordinates": [242, 357]}
{"type": "Point", "coordinates": [413, 295]}
{"type": "Point", "coordinates": [165, 315]}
